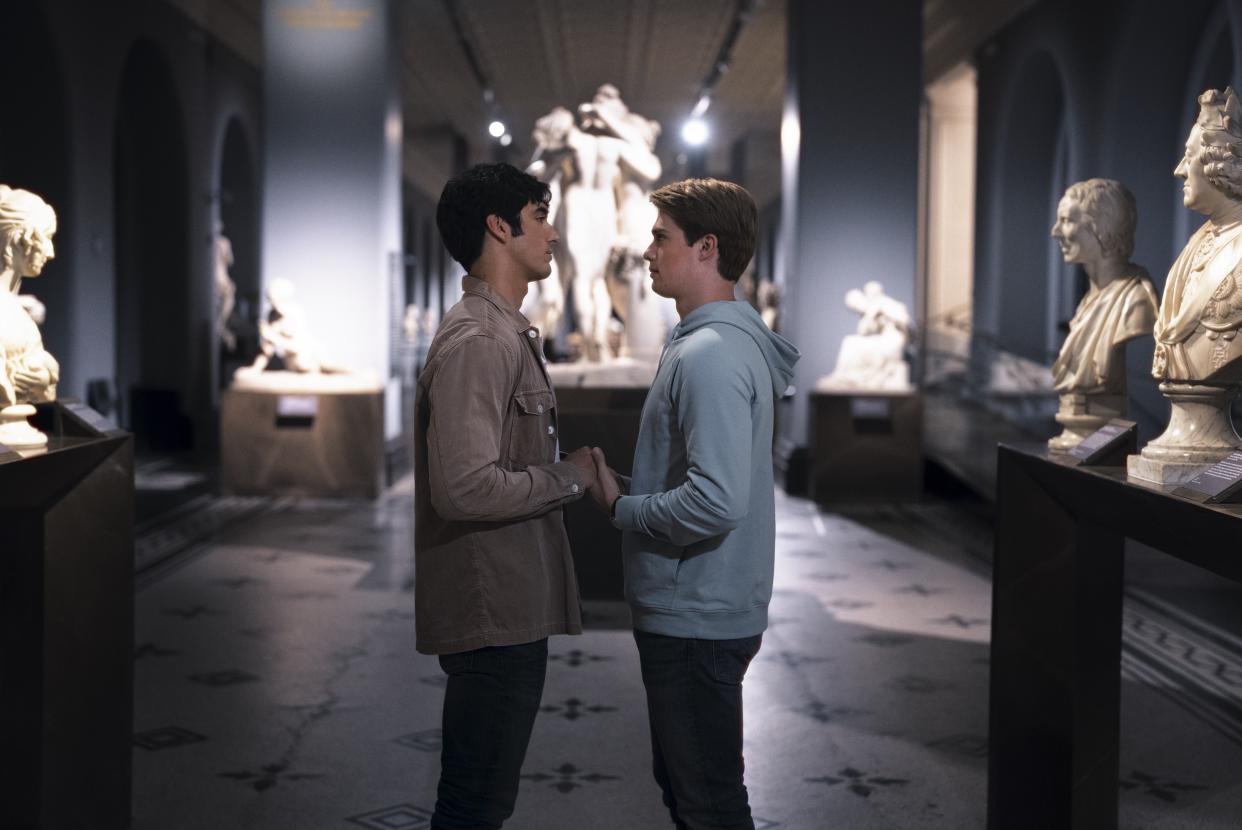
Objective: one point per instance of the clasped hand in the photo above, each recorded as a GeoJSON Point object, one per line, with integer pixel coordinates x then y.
{"type": "Point", "coordinates": [602, 479]}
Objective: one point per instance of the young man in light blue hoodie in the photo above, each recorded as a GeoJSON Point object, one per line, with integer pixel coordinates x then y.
{"type": "Point", "coordinates": [698, 515]}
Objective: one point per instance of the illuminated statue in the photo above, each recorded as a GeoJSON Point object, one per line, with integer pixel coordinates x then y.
{"type": "Point", "coordinates": [30, 374]}
{"type": "Point", "coordinates": [1198, 356]}
{"type": "Point", "coordinates": [284, 334]}
{"type": "Point", "coordinates": [1095, 229]}
{"type": "Point", "coordinates": [226, 290]}
{"type": "Point", "coordinates": [872, 358]}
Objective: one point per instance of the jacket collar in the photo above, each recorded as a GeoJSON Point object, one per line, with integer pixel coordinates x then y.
{"type": "Point", "coordinates": [479, 288]}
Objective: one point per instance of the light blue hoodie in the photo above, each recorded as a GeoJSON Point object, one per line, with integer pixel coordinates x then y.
{"type": "Point", "coordinates": [700, 520]}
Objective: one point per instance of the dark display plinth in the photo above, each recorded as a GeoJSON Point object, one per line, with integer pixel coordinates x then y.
{"type": "Point", "coordinates": [326, 444]}
{"type": "Point", "coordinates": [67, 623]}
{"type": "Point", "coordinates": [606, 418]}
{"type": "Point", "coordinates": [1056, 628]}
{"type": "Point", "coordinates": [866, 447]}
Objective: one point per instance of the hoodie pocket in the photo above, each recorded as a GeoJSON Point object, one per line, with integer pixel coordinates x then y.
{"type": "Point", "coordinates": [721, 579]}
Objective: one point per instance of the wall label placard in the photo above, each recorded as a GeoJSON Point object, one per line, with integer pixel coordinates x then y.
{"type": "Point", "coordinates": [1215, 484]}
{"type": "Point", "coordinates": [1118, 437]}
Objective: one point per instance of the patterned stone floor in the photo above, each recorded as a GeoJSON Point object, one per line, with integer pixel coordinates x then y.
{"type": "Point", "coordinates": [278, 687]}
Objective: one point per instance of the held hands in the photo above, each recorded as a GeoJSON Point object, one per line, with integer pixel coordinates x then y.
{"type": "Point", "coordinates": [582, 459]}
{"type": "Point", "coordinates": [606, 489]}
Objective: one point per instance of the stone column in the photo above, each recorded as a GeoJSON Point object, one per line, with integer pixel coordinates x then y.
{"type": "Point", "coordinates": [332, 170]}
{"type": "Point", "coordinates": [850, 157]}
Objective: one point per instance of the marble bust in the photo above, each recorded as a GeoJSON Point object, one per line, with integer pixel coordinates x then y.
{"type": "Point", "coordinates": [1095, 229]}
{"type": "Point", "coordinates": [872, 359]}
{"type": "Point", "coordinates": [1198, 357]}
{"type": "Point", "coordinates": [29, 374]}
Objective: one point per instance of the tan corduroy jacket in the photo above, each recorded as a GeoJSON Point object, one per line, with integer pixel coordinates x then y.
{"type": "Point", "coordinates": [492, 565]}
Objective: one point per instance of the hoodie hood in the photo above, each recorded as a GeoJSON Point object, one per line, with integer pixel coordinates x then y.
{"type": "Point", "coordinates": [779, 353]}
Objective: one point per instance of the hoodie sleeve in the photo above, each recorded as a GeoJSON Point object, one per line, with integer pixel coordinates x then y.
{"type": "Point", "coordinates": [712, 395]}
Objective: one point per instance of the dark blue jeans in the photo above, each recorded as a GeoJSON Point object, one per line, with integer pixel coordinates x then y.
{"type": "Point", "coordinates": [490, 703]}
{"type": "Point", "coordinates": [694, 704]}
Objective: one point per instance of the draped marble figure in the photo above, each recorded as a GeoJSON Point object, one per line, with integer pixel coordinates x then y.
{"type": "Point", "coordinates": [30, 374]}
{"type": "Point", "coordinates": [1198, 356]}
{"type": "Point", "coordinates": [1095, 229]}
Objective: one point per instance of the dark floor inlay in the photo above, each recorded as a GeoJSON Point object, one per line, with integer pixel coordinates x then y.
{"type": "Point", "coordinates": [566, 778]}
{"type": "Point", "coordinates": [971, 746]}
{"type": "Point", "coordinates": [764, 823]}
{"type": "Point", "coordinates": [429, 740]}
{"type": "Point", "coordinates": [921, 685]}
{"type": "Point", "coordinates": [573, 709]}
{"type": "Point", "coordinates": [1164, 789]}
{"type": "Point", "coordinates": [192, 612]}
{"type": "Point", "coordinates": [268, 776]}
{"type": "Point", "coordinates": [437, 680]}
{"type": "Point", "coordinates": [390, 615]}
{"type": "Point", "coordinates": [300, 595]}
{"type": "Point", "coordinates": [337, 570]}
{"type": "Point", "coordinates": [399, 817]}
{"type": "Point", "coordinates": [237, 582]}
{"type": "Point", "coordinates": [808, 554]}
{"type": "Point", "coordinates": [576, 657]}
{"type": "Point", "coordinates": [819, 711]}
{"type": "Point", "coordinates": [890, 565]}
{"type": "Point", "coordinates": [775, 621]}
{"type": "Point", "coordinates": [793, 659]}
{"type": "Point", "coordinates": [226, 677]}
{"type": "Point", "coordinates": [166, 737]}
{"type": "Point", "coordinates": [918, 588]}
{"type": "Point", "coordinates": [859, 783]}
{"type": "Point", "coordinates": [885, 639]}
{"type": "Point", "coordinates": [960, 621]}
{"type": "Point", "coordinates": [153, 650]}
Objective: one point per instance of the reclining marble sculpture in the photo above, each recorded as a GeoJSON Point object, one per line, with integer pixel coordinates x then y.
{"type": "Point", "coordinates": [285, 334]}
{"type": "Point", "coordinates": [1198, 357]}
{"type": "Point", "coordinates": [872, 359]}
{"type": "Point", "coordinates": [1095, 229]}
{"type": "Point", "coordinates": [30, 374]}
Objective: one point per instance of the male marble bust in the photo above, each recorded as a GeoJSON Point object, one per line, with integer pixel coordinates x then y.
{"type": "Point", "coordinates": [1198, 356]}
{"type": "Point", "coordinates": [1095, 229]}
{"type": "Point", "coordinates": [29, 374]}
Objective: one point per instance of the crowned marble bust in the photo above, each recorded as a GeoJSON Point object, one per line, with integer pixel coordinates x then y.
{"type": "Point", "coordinates": [28, 374]}
{"type": "Point", "coordinates": [1198, 357]}
{"type": "Point", "coordinates": [1095, 229]}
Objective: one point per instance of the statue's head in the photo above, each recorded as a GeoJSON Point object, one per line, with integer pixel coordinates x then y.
{"type": "Point", "coordinates": [1212, 165]}
{"type": "Point", "coordinates": [1096, 218]}
{"type": "Point", "coordinates": [27, 224]}
{"type": "Point", "coordinates": [280, 292]}
{"type": "Point", "coordinates": [552, 130]}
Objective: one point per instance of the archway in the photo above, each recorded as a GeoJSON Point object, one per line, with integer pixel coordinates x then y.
{"type": "Point", "coordinates": [1034, 167]}
{"type": "Point", "coordinates": [152, 253]}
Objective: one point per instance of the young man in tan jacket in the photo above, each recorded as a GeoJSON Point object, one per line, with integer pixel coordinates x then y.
{"type": "Point", "coordinates": [493, 571]}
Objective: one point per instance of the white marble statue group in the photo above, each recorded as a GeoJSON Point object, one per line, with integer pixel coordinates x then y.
{"type": "Point", "coordinates": [600, 165]}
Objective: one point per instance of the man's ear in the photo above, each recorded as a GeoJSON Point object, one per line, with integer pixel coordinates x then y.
{"type": "Point", "coordinates": [707, 246]}
{"type": "Point", "coordinates": [498, 228]}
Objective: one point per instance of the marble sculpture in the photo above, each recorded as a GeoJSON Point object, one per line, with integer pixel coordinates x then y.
{"type": "Point", "coordinates": [1198, 356]}
{"type": "Point", "coordinates": [872, 359]}
{"type": "Point", "coordinates": [30, 374]}
{"type": "Point", "coordinates": [1095, 229]}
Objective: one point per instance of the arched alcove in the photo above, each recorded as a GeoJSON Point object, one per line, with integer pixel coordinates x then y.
{"type": "Point", "coordinates": [239, 211]}
{"type": "Point", "coordinates": [34, 156]}
{"type": "Point", "coordinates": [152, 252]}
{"type": "Point", "coordinates": [1036, 157]}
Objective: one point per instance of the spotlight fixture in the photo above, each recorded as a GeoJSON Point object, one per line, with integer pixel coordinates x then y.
{"type": "Point", "coordinates": [496, 129]}
{"type": "Point", "coordinates": [695, 132]}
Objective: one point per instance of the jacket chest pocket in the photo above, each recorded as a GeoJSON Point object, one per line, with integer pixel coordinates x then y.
{"type": "Point", "coordinates": [533, 440]}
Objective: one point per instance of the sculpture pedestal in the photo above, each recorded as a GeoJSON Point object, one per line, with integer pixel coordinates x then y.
{"type": "Point", "coordinates": [1054, 695]}
{"type": "Point", "coordinates": [308, 444]}
{"type": "Point", "coordinates": [866, 446]}
{"type": "Point", "coordinates": [1199, 434]}
{"type": "Point", "coordinates": [1082, 415]}
{"type": "Point", "coordinates": [67, 625]}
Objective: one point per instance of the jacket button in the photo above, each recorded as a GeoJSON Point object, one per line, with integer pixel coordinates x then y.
{"type": "Point", "coordinates": [531, 334]}
{"type": "Point", "coordinates": [539, 408]}
{"type": "Point", "coordinates": [551, 430]}
{"type": "Point", "coordinates": [573, 489]}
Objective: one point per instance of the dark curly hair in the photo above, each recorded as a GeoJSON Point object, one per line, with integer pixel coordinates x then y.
{"type": "Point", "coordinates": [482, 191]}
